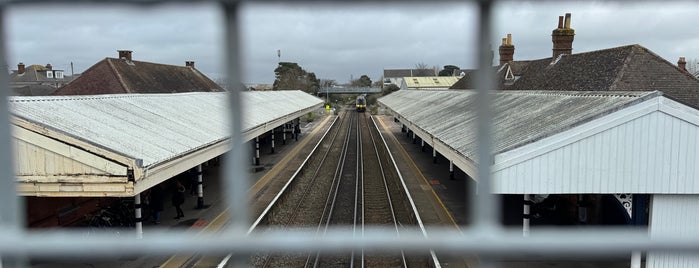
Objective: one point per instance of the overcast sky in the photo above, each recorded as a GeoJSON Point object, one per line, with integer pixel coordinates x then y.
{"type": "Point", "coordinates": [336, 42]}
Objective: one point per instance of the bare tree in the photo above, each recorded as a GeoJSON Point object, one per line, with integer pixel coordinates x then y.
{"type": "Point", "coordinates": [422, 69]}
{"type": "Point", "coordinates": [693, 67]}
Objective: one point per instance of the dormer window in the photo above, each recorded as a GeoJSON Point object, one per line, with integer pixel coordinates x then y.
{"type": "Point", "coordinates": [59, 74]}
{"type": "Point", "coordinates": [49, 74]}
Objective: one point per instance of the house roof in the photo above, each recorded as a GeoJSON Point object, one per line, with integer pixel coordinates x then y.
{"type": "Point", "coordinates": [631, 67]}
{"type": "Point", "coordinates": [399, 73]}
{"type": "Point", "coordinates": [34, 73]}
{"type": "Point", "coordinates": [117, 76]}
{"type": "Point", "coordinates": [32, 90]}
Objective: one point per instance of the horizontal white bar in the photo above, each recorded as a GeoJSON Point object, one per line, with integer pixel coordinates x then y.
{"type": "Point", "coordinates": [485, 242]}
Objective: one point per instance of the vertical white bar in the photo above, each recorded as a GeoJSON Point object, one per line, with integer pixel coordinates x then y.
{"type": "Point", "coordinates": [486, 206]}
{"type": "Point", "coordinates": [12, 210]}
{"type": "Point", "coordinates": [236, 181]}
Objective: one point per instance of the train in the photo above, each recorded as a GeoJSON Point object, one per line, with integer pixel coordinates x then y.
{"type": "Point", "coordinates": [361, 103]}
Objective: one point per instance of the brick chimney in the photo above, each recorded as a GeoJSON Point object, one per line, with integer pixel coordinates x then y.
{"type": "Point", "coordinates": [189, 64]}
{"type": "Point", "coordinates": [49, 67]}
{"type": "Point", "coordinates": [507, 50]}
{"type": "Point", "coordinates": [562, 37]}
{"type": "Point", "coordinates": [682, 64]}
{"type": "Point", "coordinates": [125, 54]}
{"type": "Point", "coordinates": [20, 68]}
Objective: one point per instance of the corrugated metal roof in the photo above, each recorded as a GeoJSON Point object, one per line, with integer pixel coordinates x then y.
{"type": "Point", "coordinates": [155, 127]}
{"type": "Point", "coordinates": [520, 117]}
{"type": "Point", "coordinates": [434, 81]}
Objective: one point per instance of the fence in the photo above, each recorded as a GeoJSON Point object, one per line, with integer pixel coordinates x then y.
{"type": "Point", "coordinates": [485, 237]}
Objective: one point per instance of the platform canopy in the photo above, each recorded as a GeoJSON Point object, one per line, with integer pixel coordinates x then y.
{"type": "Point", "coordinates": [557, 142]}
{"type": "Point", "coordinates": [121, 145]}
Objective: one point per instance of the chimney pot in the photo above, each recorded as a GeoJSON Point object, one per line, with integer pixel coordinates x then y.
{"type": "Point", "coordinates": [509, 39]}
{"type": "Point", "coordinates": [125, 54]}
{"type": "Point", "coordinates": [560, 22]}
{"type": "Point", "coordinates": [189, 64]}
{"type": "Point", "coordinates": [20, 68]}
{"type": "Point", "coordinates": [562, 38]}
{"type": "Point", "coordinates": [49, 67]}
{"type": "Point", "coordinates": [504, 41]}
{"type": "Point", "coordinates": [682, 64]}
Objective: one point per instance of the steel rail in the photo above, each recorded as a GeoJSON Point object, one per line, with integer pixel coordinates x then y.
{"type": "Point", "coordinates": [332, 195]}
{"type": "Point", "coordinates": [434, 258]}
{"type": "Point", "coordinates": [388, 192]}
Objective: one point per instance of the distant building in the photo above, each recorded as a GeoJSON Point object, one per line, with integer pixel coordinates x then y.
{"type": "Point", "coordinates": [124, 75]}
{"type": "Point", "coordinates": [36, 80]}
{"type": "Point", "coordinates": [432, 82]}
{"type": "Point", "coordinates": [395, 76]}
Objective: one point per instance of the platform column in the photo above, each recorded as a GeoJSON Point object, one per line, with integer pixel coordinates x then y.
{"type": "Point", "coordinates": [451, 169]}
{"type": "Point", "coordinates": [284, 133]}
{"type": "Point", "coordinates": [422, 148]}
{"type": "Point", "coordinates": [402, 128]}
{"type": "Point", "coordinates": [526, 214]}
{"type": "Point", "coordinates": [297, 129]}
{"type": "Point", "coordinates": [434, 154]}
{"type": "Point", "coordinates": [200, 188]}
{"type": "Point", "coordinates": [272, 140]}
{"type": "Point", "coordinates": [137, 214]}
{"type": "Point", "coordinates": [414, 140]}
{"type": "Point", "coordinates": [257, 150]}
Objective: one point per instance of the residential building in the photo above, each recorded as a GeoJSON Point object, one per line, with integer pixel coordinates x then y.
{"type": "Point", "coordinates": [125, 75]}
{"type": "Point", "coordinates": [36, 80]}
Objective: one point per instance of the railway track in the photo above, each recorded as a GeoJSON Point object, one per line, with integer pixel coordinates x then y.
{"type": "Point", "coordinates": [348, 181]}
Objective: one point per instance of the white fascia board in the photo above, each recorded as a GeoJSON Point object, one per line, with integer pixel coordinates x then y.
{"type": "Point", "coordinates": [75, 189]}
{"type": "Point", "coordinates": [679, 110]}
{"type": "Point", "coordinates": [153, 175]}
{"type": "Point", "coordinates": [127, 161]}
{"type": "Point", "coordinates": [532, 150]}
{"type": "Point", "coordinates": [257, 131]}
{"type": "Point", "coordinates": [72, 152]}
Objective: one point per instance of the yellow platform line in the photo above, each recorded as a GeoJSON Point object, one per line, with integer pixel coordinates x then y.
{"type": "Point", "coordinates": [222, 218]}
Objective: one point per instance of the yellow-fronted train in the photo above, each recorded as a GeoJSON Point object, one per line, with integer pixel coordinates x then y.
{"type": "Point", "coordinates": [361, 103]}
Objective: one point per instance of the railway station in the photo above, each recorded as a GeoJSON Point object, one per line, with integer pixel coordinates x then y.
{"type": "Point", "coordinates": [574, 158]}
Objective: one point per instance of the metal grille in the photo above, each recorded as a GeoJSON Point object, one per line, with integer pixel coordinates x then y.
{"type": "Point", "coordinates": [486, 237]}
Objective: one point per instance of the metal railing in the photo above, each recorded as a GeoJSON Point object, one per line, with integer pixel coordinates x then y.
{"type": "Point", "coordinates": [486, 237]}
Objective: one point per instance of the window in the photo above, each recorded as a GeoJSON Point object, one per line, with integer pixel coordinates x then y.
{"type": "Point", "coordinates": [49, 74]}
{"type": "Point", "coordinates": [59, 74]}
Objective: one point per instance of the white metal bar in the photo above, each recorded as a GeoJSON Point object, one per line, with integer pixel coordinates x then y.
{"type": "Point", "coordinates": [485, 207]}
{"type": "Point", "coordinates": [236, 180]}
